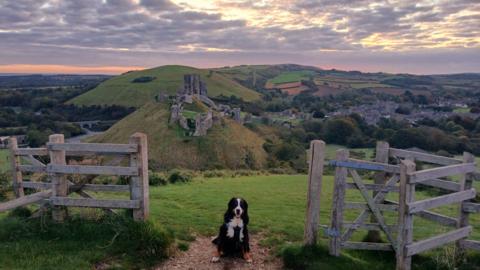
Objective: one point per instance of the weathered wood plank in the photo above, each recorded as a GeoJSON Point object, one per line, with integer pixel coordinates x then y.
{"type": "Point", "coordinates": [367, 246]}
{"type": "Point", "coordinates": [434, 159]}
{"type": "Point", "coordinates": [100, 170]}
{"type": "Point", "coordinates": [381, 156]}
{"type": "Point", "coordinates": [440, 172]}
{"type": "Point", "coordinates": [32, 168]}
{"type": "Point", "coordinates": [37, 185]}
{"type": "Point", "coordinates": [31, 151]}
{"type": "Point", "coordinates": [365, 165]}
{"type": "Point", "coordinates": [368, 226]}
{"type": "Point", "coordinates": [96, 203]}
{"type": "Point", "coordinates": [59, 182]}
{"type": "Point", "coordinates": [94, 147]}
{"type": "Point", "coordinates": [17, 177]}
{"type": "Point", "coordinates": [338, 201]}
{"type": "Point", "coordinates": [315, 174]}
{"type": "Point", "coordinates": [102, 188]}
{"type": "Point", "coordinates": [374, 187]}
{"type": "Point", "coordinates": [456, 197]}
{"type": "Point", "coordinates": [139, 189]}
{"type": "Point", "coordinates": [364, 206]}
{"type": "Point", "coordinates": [25, 200]}
{"type": "Point", "coordinates": [468, 207]}
{"type": "Point", "coordinates": [470, 244]}
{"type": "Point", "coordinates": [466, 183]}
{"type": "Point", "coordinates": [442, 184]}
{"type": "Point", "coordinates": [373, 208]}
{"type": "Point", "coordinates": [73, 188]}
{"type": "Point", "coordinates": [437, 241]}
{"type": "Point", "coordinates": [405, 219]}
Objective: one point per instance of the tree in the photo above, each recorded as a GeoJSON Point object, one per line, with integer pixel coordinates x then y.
{"type": "Point", "coordinates": [339, 130]}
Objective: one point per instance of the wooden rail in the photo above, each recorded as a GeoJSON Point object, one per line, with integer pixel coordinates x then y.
{"type": "Point", "coordinates": [429, 158]}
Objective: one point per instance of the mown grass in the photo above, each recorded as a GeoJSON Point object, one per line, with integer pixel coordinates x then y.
{"type": "Point", "coordinates": [4, 163]}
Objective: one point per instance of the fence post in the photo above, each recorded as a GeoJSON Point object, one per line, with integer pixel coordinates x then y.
{"type": "Point", "coordinates": [315, 174]}
{"type": "Point", "coordinates": [341, 174]}
{"type": "Point", "coordinates": [59, 182]}
{"type": "Point", "coordinates": [381, 156]}
{"type": "Point", "coordinates": [405, 220]}
{"type": "Point", "coordinates": [139, 184]}
{"type": "Point", "coordinates": [465, 183]}
{"type": "Point", "coordinates": [15, 164]}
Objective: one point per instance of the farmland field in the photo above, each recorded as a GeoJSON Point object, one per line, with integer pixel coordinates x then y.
{"type": "Point", "coordinates": [292, 76]}
{"type": "Point", "coordinates": [276, 209]}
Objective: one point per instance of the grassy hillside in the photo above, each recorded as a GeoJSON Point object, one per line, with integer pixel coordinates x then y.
{"type": "Point", "coordinates": [121, 90]}
{"type": "Point", "coordinates": [227, 144]}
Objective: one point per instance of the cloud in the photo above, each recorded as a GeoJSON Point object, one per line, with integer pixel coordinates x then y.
{"type": "Point", "coordinates": [69, 31]}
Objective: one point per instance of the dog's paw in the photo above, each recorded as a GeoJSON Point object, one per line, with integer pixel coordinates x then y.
{"type": "Point", "coordinates": [248, 258]}
{"type": "Point", "coordinates": [215, 259]}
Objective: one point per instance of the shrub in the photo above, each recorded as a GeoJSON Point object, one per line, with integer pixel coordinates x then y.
{"type": "Point", "coordinates": [20, 212]}
{"type": "Point", "coordinates": [143, 79]}
{"type": "Point", "coordinates": [155, 179]}
{"type": "Point", "coordinates": [180, 177]}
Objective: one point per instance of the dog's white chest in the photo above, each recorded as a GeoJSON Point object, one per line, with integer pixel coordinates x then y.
{"type": "Point", "coordinates": [234, 223]}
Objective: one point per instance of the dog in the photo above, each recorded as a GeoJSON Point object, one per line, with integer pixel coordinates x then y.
{"type": "Point", "coordinates": [233, 236]}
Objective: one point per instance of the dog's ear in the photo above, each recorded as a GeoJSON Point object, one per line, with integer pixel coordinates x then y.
{"type": "Point", "coordinates": [228, 214]}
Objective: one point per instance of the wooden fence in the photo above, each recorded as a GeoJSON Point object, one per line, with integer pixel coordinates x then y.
{"type": "Point", "coordinates": [400, 178]}
{"type": "Point", "coordinates": [57, 189]}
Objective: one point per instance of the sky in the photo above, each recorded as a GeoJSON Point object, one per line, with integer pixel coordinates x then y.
{"type": "Point", "coordinates": [114, 36]}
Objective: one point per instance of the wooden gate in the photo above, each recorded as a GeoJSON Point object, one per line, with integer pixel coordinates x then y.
{"type": "Point", "coordinates": [56, 190]}
{"type": "Point", "coordinates": [402, 177]}
{"type": "Point", "coordinates": [372, 205]}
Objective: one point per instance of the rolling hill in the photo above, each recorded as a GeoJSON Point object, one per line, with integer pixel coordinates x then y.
{"type": "Point", "coordinates": [139, 87]}
{"type": "Point", "coordinates": [227, 145]}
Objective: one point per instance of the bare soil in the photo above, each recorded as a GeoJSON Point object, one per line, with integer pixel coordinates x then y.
{"type": "Point", "coordinates": [198, 256]}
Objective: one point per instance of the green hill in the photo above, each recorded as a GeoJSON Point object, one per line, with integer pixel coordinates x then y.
{"type": "Point", "coordinates": [227, 145]}
{"type": "Point", "coordinates": [122, 90]}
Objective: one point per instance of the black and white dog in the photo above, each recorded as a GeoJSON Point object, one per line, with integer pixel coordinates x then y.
{"type": "Point", "coordinates": [233, 236]}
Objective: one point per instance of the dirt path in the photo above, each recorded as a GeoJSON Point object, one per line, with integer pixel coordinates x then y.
{"type": "Point", "coordinates": [200, 252]}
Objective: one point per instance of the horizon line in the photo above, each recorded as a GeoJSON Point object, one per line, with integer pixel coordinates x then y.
{"type": "Point", "coordinates": [43, 69]}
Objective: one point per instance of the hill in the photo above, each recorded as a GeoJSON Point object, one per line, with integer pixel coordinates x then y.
{"type": "Point", "coordinates": [323, 82]}
{"type": "Point", "coordinates": [227, 145]}
{"type": "Point", "coordinates": [139, 87]}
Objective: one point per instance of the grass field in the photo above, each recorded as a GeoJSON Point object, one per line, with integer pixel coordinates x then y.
{"type": "Point", "coordinates": [292, 76]}
{"type": "Point", "coordinates": [276, 209]}
{"type": "Point", "coordinates": [121, 90]}
{"type": "Point", "coordinates": [4, 163]}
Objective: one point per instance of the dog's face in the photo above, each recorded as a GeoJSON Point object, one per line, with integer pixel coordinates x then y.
{"type": "Point", "coordinates": [237, 207]}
